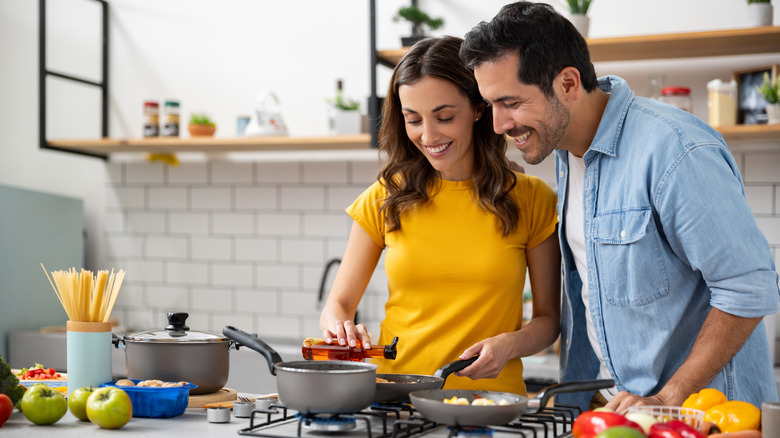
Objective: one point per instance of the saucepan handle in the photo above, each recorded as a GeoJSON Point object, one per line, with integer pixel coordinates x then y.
{"type": "Point", "coordinates": [452, 367]}
{"type": "Point", "coordinates": [540, 401]}
{"type": "Point", "coordinates": [254, 343]}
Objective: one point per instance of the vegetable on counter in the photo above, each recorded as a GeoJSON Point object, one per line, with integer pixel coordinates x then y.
{"type": "Point", "coordinates": [734, 416]}
{"type": "Point", "coordinates": [38, 372]}
{"type": "Point", "coordinates": [705, 399]}
{"type": "Point", "coordinates": [9, 383]}
{"type": "Point", "coordinates": [674, 429]}
{"type": "Point", "coordinates": [591, 423]}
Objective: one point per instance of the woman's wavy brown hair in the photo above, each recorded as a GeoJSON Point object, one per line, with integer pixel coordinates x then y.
{"type": "Point", "coordinates": [407, 175]}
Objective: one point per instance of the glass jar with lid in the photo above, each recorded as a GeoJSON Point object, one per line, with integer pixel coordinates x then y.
{"type": "Point", "coordinates": [170, 126]}
{"type": "Point", "coordinates": [678, 96]}
{"type": "Point", "coordinates": [151, 118]}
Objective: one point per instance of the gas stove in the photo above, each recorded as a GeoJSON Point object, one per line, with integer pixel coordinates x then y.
{"type": "Point", "coordinates": [400, 420]}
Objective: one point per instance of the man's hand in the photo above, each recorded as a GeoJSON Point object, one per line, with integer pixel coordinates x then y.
{"type": "Point", "coordinates": [624, 399]}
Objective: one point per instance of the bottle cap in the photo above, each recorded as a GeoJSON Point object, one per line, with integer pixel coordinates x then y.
{"type": "Point", "coordinates": [391, 350]}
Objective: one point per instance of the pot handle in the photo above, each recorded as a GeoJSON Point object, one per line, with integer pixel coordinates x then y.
{"type": "Point", "coordinates": [452, 367]}
{"type": "Point", "coordinates": [116, 340]}
{"type": "Point", "coordinates": [540, 401]}
{"type": "Point", "coordinates": [254, 343]}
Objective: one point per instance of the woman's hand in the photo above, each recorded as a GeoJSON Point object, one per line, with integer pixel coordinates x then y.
{"type": "Point", "coordinates": [493, 353]}
{"type": "Point", "coordinates": [345, 331]}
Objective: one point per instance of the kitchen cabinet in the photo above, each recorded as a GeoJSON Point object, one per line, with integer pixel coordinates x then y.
{"type": "Point", "coordinates": [718, 43]}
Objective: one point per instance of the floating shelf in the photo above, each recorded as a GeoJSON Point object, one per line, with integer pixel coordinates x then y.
{"type": "Point", "coordinates": [714, 43]}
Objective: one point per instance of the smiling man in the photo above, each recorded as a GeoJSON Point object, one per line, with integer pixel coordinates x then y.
{"type": "Point", "coordinates": [666, 274]}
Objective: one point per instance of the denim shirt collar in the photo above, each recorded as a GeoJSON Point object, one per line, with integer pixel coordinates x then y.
{"type": "Point", "coordinates": [607, 136]}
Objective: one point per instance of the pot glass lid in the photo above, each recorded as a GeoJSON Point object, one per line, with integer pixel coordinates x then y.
{"type": "Point", "coordinates": [176, 331]}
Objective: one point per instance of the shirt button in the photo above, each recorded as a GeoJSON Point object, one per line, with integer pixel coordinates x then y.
{"type": "Point", "coordinates": [560, 174]}
{"type": "Point", "coordinates": [622, 234]}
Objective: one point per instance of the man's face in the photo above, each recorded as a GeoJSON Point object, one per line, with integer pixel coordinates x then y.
{"type": "Point", "coordinates": [521, 111]}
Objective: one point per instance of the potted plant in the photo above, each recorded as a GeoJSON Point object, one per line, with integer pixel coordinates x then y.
{"type": "Point", "coordinates": [760, 12]}
{"type": "Point", "coordinates": [418, 18]}
{"type": "Point", "coordinates": [771, 93]}
{"type": "Point", "coordinates": [578, 15]}
{"type": "Point", "coordinates": [345, 117]}
{"type": "Point", "coordinates": [201, 125]}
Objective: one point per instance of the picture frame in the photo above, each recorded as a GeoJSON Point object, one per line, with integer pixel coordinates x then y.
{"type": "Point", "coordinates": [751, 107]}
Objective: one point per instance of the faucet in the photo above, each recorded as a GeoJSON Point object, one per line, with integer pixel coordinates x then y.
{"type": "Point", "coordinates": [331, 263]}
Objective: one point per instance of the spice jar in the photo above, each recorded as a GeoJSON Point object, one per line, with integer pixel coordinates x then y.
{"type": "Point", "coordinates": [722, 103]}
{"type": "Point", "coordinates": [171, 119]}
{"type": "Point", "coordinates": [151, 119]}
{"type": "Point", "coordinates": [678, 96]}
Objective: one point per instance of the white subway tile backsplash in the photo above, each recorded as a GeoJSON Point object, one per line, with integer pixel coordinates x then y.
{"type": "Point", "coordinates": [168, 198]}
{"type": "Point", "coordinates": [233, 223]}
{"type": "Point", "coordinates": [257, 249]}
{"type": "Point", "coordinates": [115, 173]}
{"type": "Point", "coordinates": [211, 198]}
{"type": "Point", "coordinates": [138, 320]}
{"type": "Point", "coordinates": [115, 222]}
{"type": "Point", "coordinates": [167, 247]}
{"type": "Point", "coordinates": [258, 301]}
{"type": "Point", "coordinates": [142, 222]}
{"type": "Point", "coordinates": [232, 274]}
{"type": "Point", "coordinates": [144, 173]}
{"type": "Point", "coordinates": [200, 320]}
{"type": "Point", "coordinates": [225, 172]}
{"type": "Point", "coordinates": [242, 322]}
{"type": "Point", "coordinates": [189, 223]}
{"type": "Point", "coordinates": [303, 198]}
{"type": "Point", "coordinates": [123, 247]}
{"type": "Point", "coordinates": [771, 229]}
{"type": "Point", "coordinates": [188, 173]}
{"type": "Point", "coordinates": [211, 248]}
{"type": "Point", "coordinates": [130, 295]}
{"type": "Point", "coordinates": [316, 172]}
{"type": "Point", "coordinates": [278, 172]}
{"type": "Point", "coordinates": [168, 297]}
{"type": "Point", "coordinates": [212, 299]}
{"type": "Point", "coordinates": [300, 303]}
{"type": "Point", "coordinates": [339, 198]}
{"type": "Point", "coordinates": [364, 173]}
{"type": "Point", "coordinates": [275, 276]}
{"type": "Point", "coordinates": [191, 273]}
{"type": "Point", "coordinates": [279, 327]}
{"type": "Point", "coordinates": [125, 198]}
{"type": "Point", "coordinates": [327, 225]}
{"type": "Point", "coordinates": [301, 251]}
{"type": "Point", "coordinates": [142, 271]}
{"type": "Point", "coordinates": [762, 167]}
{"type": "Point", "coordinates": [279, 224]}
{"type": "Point", "coordinates": [256, 198]}
{"type": "Point", "coordinates": [757, 197]}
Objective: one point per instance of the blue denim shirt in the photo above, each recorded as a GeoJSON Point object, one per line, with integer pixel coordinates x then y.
{"type": "Point", "coordinates": [669, 235]}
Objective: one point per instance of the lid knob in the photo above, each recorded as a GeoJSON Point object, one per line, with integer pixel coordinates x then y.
{"type": "Point", "coordinates": [176, 322]}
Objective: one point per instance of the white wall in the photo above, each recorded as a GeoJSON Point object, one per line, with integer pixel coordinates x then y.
{"type": "Point", "coordinates": [217, 56]}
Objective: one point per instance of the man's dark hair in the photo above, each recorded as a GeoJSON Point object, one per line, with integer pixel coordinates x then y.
{"type": "Point", "coordinates": [544, 40]}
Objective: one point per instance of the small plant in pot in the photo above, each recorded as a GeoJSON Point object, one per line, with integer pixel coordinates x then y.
{"type": "Point", "coordinates": [345, 117]}
{"type": "Point", "coordinates": [578, 15]}
{"type": "Point", "coordinates": [419, 20]}
{"type": "Point", "coordinates": [770, 91]}
{"type": "Point", "coordinates": [759, 13]}
{"type": "Point", "coordinates": [201, 125]}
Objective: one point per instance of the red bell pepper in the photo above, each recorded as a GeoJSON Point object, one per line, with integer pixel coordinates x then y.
{"type": "Point", "coordinates": [591, 423]}
{"type": "Point", "coordinates": [674, 429]}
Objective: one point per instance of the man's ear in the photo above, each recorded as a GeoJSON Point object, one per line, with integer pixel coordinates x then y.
{"type": "Point", "coordinates": [567, 84]}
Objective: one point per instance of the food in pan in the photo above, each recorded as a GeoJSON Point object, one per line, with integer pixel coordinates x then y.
{"type": "Point", "coordinates": [381, 380]}
{"type": "Point", "coordinates": [479, 401]}
{"type": "Point", "coordinates": [125, 382]}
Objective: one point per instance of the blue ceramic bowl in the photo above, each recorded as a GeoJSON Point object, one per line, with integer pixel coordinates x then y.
{"type": "Point", "coordinates": [157, 402]}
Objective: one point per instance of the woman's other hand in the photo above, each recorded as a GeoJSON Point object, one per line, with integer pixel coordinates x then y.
{"type": "Point", "coordinates": [493, 353]}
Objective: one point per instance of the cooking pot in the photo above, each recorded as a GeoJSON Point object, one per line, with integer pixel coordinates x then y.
{"type": "Point", "coordinates": [315, 387]}
{"type": "Point", "coordinates": [178, 354]}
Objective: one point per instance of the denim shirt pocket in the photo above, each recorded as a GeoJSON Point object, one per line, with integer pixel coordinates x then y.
{"type": "Point", "coordinates": [629, 258]}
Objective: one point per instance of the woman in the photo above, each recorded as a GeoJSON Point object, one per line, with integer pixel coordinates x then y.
{"type": "Point", "coordinates": [459, 227]}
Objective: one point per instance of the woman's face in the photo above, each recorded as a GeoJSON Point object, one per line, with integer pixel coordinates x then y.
{"type": "Point", "coordinates": [439, 120]}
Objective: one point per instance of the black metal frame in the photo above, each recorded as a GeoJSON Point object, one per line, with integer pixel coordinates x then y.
{"type": "Point", "coordinates": [43, 73]}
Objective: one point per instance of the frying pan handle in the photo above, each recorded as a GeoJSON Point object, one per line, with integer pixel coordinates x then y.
{"type": "Point", "coordinates": [452, 367]}
{"type": "Point", "coordinates": [540, 401]}
{"type": "Point", "coordinates": [254, 343]}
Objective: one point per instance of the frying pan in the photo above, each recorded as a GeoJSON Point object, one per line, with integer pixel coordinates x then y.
{"type": "Point", "coordinates": [403, 384]}
{"type": "Point", "coordinates": [315, 387]}
{"type": "Point", "coordinates": [431, 404]}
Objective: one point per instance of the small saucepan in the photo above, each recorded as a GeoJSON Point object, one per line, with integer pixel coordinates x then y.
{"type": "Point", "coordinates": [430, 403]}
{"type": "Point", "coordinates": [315, 387]}
{"type": "Point", "coordinates": [398, 386]}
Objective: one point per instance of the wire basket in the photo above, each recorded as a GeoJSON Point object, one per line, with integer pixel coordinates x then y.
{"type": "Point", "coordinates": [690, 416]}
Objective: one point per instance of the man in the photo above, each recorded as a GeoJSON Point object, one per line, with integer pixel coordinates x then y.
{"type": "Point", "coordinates": [666, 274]}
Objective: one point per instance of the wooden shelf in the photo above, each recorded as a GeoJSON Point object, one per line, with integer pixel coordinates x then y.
{"type": "Point", "coordinates": [750, 132]}
{"type": "Point", "coordinates": [211, 144]}
{"type": "Point", "coordinates": [731, 42]}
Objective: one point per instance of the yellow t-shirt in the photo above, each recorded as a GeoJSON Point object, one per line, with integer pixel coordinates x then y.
{"type": "Point", "coordinates": [453, 279]}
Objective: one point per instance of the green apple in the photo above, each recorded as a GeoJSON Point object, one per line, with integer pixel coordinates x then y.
{"type": "Point", "coordinates": [43, 405]}
{"type": "Point", "coordinates": [77, 402]}
{"type": "Point", "coordinates": [109, 407]}
{"type": "Point", "coordinates": [620, 432]}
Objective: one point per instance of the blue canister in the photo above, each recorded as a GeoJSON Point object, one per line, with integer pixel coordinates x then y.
{"type": "Point", "coordinates": [88, 354]}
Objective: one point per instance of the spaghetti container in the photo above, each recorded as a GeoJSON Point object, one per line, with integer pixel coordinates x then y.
{"type": "Point", "coordinates": [88, 354]}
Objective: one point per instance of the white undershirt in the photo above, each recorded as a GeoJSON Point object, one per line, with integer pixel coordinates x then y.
{"type": "Point", "coordinates": [575, 236]}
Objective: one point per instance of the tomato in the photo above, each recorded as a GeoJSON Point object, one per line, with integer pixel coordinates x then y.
{"type": "Point", "coordinates": [77, 402]}
{"type": "Point", "coordinates": [620, 432]}
{"type": "Point", "coordinates": [591, 423]}
{"type": "Point", "coordinates": [43, 405]}
{"type": "Point", "coordinates": [6, 407]}
{"type": "Point", "coordinates": [674, 429]}
{"type": "Point", "coordinates": [109, 407]}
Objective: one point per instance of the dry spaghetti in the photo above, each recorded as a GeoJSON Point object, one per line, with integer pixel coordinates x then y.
{"type": "Point", "coordinates": [86, 298]}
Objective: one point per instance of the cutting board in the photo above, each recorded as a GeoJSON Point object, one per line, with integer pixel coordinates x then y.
{"type": "Point", "coordinates": [224, 394]}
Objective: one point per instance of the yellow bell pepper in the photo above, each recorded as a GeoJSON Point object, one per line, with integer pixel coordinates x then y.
{"type": "Point", "coordinates": [705, 399]}
{"type": "Point", "coordinates": [734, 416]}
